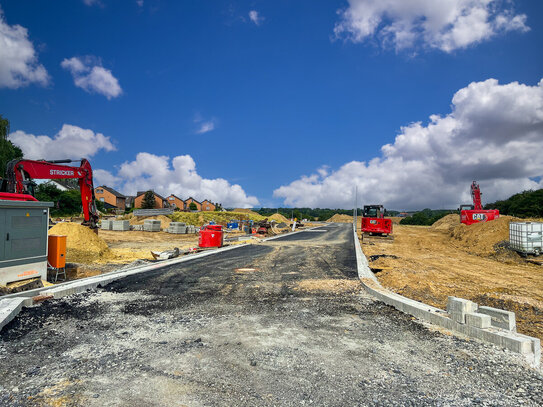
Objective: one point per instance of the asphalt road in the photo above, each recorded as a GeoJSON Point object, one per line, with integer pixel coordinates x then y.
{"type": "Point", "coordinates": [280, 323]}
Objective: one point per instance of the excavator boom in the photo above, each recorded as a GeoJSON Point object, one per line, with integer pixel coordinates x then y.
{"type": "Point", "coordinates": [20, 173]}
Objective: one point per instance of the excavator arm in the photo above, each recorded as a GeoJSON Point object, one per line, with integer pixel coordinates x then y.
{"type": "Point", "coordinates": [20, 174]}
{"type": "Point", "coordinates": [476, 196]}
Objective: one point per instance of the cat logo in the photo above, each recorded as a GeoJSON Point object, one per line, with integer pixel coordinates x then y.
{"type": "Point", "coordinates": [480, 217]}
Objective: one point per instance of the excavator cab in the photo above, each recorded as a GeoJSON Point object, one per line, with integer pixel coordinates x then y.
{"type": "Point", "coordinates": [373, 211]}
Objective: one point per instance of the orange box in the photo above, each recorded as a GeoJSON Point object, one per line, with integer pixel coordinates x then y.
{"type": "Point", "coordinates": [56, 255]}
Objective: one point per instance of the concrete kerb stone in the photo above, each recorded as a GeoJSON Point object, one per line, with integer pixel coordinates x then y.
{"type": "Point", "coordinates": [528, 346]}
{"type": "Point", "coordinates": [11, 305]}
{"type": "Point", "coordinates": [9, 308]}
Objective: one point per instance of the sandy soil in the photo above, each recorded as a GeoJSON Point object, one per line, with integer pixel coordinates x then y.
{"type": "Point", "coordinates": [432, 265]}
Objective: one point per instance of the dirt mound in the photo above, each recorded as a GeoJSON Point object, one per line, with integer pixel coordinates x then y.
{"type": "Point", "coordinates": [447, 223]}
{"type": "Point", "coordinates": [278, 218]}
{"type": "Point", "coordinates": [201, 218]}
{"type": "Point", "coordinates": [481, 238]}
{"type": "Point", "coordinates": [82, 244]}
{"type": "Point", "coordinates": [395, 219]}
{"type": "Point", "coordinates": [341, 218]}
{"type": "Point", "coordinates": [246, 211]}
{"type": "Point", "coordinates": [139, 220]}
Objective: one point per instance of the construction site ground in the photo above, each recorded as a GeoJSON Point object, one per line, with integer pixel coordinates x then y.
{"type": "Point", "coordinates": [285, 322]}
{"type": "Point", "coordinates": [428, 264]}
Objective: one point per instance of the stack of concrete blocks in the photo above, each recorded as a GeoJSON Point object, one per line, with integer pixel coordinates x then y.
{"type": "Point", "coordinates": [106, 224]}
{"type": "Point", "coordinates": [493, 325]}
{"type": "Point", "coordinates": [191, 229]}
{"type": "Point", "coordinates": [136, 227]}
{"type": "Point", "coordinates": [121, 225]}
{"type": "Point", "coordinates": [151, 225]}
{"type": "Point", "coordinates": [177, 228]}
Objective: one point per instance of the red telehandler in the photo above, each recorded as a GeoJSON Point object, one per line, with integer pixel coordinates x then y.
{"type": "Point", "coordinates": [19, 185]}
{"type": "Point", "coordinates": [475, 213]}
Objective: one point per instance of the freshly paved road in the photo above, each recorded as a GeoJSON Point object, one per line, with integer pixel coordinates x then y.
{"type": "Point", "coordinates": [280, 323]}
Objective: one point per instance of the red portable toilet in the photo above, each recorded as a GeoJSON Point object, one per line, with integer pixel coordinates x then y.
{"type": "Point", "coordinates": [211, 236]}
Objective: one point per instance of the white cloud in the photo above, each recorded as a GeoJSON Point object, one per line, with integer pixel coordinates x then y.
{"type": "Point", "coordinates": [255, 17]}
{"type": "Point", "coordinates": [206, 127]}
{"type": "Point", "coordinates": [18, 60]}
{"type": "Point", "coordinates": [446, 25]}
{"type": "Point", "coordinates": [494, 134]}
{"type": "Point", "coordinates": [177, 176]}
{"type": "Point", "coordinates": [139, 3]}
{"type": "Point", "coordinates": [69, 142]}
{"type": "Point", "coordinates": [90, 76]}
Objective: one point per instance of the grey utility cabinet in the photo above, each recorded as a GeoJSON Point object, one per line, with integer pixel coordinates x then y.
{"type": "Point", "coordinates": [23, 240]}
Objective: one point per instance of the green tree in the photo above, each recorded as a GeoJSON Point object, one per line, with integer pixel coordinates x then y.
{"type": "Point", "coordinates": [192, 206]}
{"type": "Point", "coordinates": [148, 200]}
{"type": "Point", "coordinates": [526, 204]}
{"type": "Point", "coordinates": [47, 193]}
{"type": "Point", "coordinates": [8, 151]}
{"type": "Point", "coordinates": [66, 203]}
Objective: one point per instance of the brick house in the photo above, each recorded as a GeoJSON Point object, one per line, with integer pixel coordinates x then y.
{"type": "Point", "coordinates": [175, 202]}
{"type": "Point", "coordinates": [160, 202]}
{"type": "Point", "coordinates": [188, 201]}
{"type": "Point", "coordinates": [110, 197]}
{"type": "Point", "coordinates": [207, 205]}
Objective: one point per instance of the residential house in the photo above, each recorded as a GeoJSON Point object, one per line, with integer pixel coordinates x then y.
{"type": "Point", "coordinates": [208, 205]}
{"type": "Point", "coordinates": [110, 197]}
{"type": "Point", "coordinates": [160, 202]}
{"type": "Point", "coordinates": [176, 202]}
{"type": "Point", "coordinates": [188, 201]}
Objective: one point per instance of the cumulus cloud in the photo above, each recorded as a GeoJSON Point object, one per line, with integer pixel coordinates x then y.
{"type": "Point", "coordinates": [177, 176]}
{"type": "Point", "coordinates": [70, 142]}
{"type": "Point", "coordinates": [445, 25]}
{"type": "Point", "coordinates": [18, 60]}
{"type": "Point", "coordinates": [494, 134]}
{"type": "Point", "coordinates": [90, 76]}
{"type": "Point", "coordinates": [255, 17]}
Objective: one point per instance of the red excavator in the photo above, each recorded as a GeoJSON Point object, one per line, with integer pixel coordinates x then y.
{"type": "Point", "coordinates": [19, 184]}
{"type": "Point", "coordinates": [374, 222]}
{"type": "Point", "coordinates": [475, 213]}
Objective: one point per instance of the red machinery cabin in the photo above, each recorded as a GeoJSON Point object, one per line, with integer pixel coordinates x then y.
{"type": "Point", "coordinates": [374, 222]}
{"type": "Point", "coordinates": [475, 213]}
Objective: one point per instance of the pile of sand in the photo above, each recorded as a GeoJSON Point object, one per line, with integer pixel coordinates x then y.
{"type": "Point", "coordinates": [278, 218]}
{"type": "Point", "coordinates": [481, 238]}
{"type": "Point", "coordinates": [82, 244]}
{"type": "Point", "coordinates": [447, 223]}
{"type": "Point", "coordinates": [395, 219]}
{"type": "Point", "coordinates": [139, 220]}
{"type": "Point", "coordinates": [246, 211]}
{"type": "Point", "coordinates": [341, 218]}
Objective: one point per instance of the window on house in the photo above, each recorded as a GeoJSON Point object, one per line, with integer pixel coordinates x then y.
{"type": "Point", "coordinates": [99, 191]}
{"type": "Point", "coordinates": [171, 198]}
{"type": "Point", "coordinates": [101, 199]}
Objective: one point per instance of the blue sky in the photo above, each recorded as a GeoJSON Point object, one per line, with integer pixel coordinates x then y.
{"type": "Point", "coordinates": [288, 98]}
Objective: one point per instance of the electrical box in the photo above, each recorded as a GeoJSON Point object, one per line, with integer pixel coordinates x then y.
{"type": "Point", "coordinates": [23, 240]}
{"type": "Point", "coordinates": [56, 253]}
